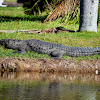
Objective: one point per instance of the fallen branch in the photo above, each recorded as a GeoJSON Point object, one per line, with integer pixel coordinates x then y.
{"type": "Point", "coordinates": [35, 31]}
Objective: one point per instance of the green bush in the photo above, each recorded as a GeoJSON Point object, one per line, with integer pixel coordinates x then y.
{"type": "Point", "coordinates": [36, 6]}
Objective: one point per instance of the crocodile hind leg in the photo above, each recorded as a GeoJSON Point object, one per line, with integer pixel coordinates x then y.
{"type": "Point", "coordinates": [20, 51]}
{"type": "Point", "coordinates": [56, 54]}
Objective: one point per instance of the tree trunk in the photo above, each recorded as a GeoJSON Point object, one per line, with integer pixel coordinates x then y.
{"type": "Point", "coordinates": [88, 15]}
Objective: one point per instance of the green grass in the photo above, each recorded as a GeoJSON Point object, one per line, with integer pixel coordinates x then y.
{"type": "Point", "coordinates": [13, 18]}
{"type": "Point", "coordinates": [11, 0]}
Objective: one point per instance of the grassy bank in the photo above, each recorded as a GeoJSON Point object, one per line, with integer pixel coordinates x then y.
{"type": "Point", "coordinates": [12, 18]}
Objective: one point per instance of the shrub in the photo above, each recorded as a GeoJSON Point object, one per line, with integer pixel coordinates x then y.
{"type": "Point", "coordinates": [36, 6]}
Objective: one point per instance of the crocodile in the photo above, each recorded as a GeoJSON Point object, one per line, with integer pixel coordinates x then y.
{"type": "Point", "coordinates": [54, 50]}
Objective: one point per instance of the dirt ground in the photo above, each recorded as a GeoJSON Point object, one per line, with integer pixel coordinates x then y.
{"type": "Point", "coordinates": [50, 65]}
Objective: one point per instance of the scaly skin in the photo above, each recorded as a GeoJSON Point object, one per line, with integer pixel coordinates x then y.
{"type": "Point", "coordinates": [52, 49]}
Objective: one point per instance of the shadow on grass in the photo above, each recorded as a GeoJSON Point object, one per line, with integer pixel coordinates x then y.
{"type": "Point", "coordinates": [27, 18]}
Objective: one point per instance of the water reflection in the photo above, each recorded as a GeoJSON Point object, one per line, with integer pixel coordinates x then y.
{"type": "Point", "coordinates": [62, 77]}
{"type": "Point", "coordinates": [48, 86]}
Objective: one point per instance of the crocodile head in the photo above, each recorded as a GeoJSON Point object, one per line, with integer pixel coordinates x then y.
{"type": "Point", "coordinates": [3, 42]}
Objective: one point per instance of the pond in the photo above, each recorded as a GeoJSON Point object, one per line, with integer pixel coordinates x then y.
{"type": "Point", "coordinates": [48, 86]}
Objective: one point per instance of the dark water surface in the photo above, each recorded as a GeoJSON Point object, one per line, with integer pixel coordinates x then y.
{"type": "Point", "coordinates": [47, 86]}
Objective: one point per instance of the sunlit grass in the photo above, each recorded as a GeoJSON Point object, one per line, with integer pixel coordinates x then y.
{"type": "Point", "coordinates": [11, 11]}
{"type": "Point", "coordinates": [11, 0]}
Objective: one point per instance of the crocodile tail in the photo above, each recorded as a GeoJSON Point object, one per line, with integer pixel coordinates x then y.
{"type": "Point", "coordinates": [81, 51]}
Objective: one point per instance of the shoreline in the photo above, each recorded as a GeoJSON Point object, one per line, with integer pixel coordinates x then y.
{"type": "Point", "coordinates": [49, 65]}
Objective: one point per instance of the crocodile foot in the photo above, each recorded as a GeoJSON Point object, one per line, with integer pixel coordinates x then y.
{"type": "Point", "coordinates": [22, 52]}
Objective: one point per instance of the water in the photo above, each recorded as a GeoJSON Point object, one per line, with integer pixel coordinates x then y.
{"type": "Point", "coordinates": [48, 86]}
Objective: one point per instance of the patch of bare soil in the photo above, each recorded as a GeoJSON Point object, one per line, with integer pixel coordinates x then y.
{"type": "Point", "coordinates": [50, 65]}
